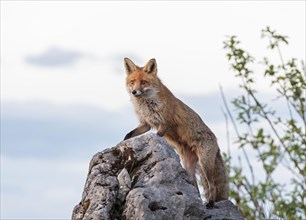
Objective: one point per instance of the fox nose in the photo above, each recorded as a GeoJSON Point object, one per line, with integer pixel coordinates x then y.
{"type": "Point", "coordinates": [134, 92]}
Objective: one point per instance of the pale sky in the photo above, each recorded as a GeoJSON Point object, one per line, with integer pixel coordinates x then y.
{"type": "Point", "coordinates": [185, 38]}
{"type": "Point", "coordinates": [63, 62]}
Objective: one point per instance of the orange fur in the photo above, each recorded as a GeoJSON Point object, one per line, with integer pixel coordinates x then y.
{"type": "Point", "coordinates": [156, 107]}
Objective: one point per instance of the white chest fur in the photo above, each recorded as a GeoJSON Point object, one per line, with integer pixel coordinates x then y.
{"type": "Point", "coordinates": [148, 110]}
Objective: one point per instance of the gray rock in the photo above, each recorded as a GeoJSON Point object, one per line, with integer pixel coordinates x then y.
{"type": "Point", "coordinates": [142, 178]}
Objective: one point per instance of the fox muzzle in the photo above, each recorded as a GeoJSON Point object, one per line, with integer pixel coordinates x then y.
{"type": "Point", "coordinates": [136, 92]}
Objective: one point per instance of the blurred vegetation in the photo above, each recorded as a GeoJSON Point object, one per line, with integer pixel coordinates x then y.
{"type": "Point", "coordinates": [277, 141]}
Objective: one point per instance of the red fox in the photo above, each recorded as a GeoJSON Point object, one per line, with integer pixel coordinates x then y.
{"type": "Point", "coordinates": [156, 107]}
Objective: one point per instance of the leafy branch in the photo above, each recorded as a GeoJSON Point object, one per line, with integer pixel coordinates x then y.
{"type": "Point", "coordinates": [275, 139]}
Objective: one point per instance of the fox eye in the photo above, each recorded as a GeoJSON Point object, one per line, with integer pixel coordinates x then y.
{"type": "Point", "coordinates": [132, 82]}
{"type": "Point", "coordinates": [144, 82]}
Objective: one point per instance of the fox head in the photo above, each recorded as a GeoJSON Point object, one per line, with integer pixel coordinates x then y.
{"type": "Point", "coordinates": [141, 81]}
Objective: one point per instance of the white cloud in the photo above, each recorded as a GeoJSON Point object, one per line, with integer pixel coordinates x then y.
{"type": "Point", "coordinates": [185, 38]}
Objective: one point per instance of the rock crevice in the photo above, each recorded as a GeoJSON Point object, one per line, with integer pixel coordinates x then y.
{"type": "Point", "coordinates": [142, 178]}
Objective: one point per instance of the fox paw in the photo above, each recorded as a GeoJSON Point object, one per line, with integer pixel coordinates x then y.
{"type": "Point", "coordinates": [210, 204]}
{"type": "Point", "coordinates": [160, 134]}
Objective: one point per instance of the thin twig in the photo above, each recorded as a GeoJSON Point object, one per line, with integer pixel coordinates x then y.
{"type": "Point", "coordinates": [264, 115]}
{"type": "Point", "coordinates": [227, 132]}
{"type": "Point", "coordinates": [237, 133]}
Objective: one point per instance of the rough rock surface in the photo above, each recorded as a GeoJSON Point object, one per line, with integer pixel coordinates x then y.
{"type": "Point", "coordinates": [142, 178]}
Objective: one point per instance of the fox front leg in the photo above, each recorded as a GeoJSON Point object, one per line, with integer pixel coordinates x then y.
{"type": "Point", "coordinates": [142, 128]}
{"type": "Point", "coordinates": [162, 129]}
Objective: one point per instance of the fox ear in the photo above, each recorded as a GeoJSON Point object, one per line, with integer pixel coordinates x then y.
{"type": "Point", "coordinates": [129, 66]}
{"type": "Point", "coordinates": [151, 67]}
